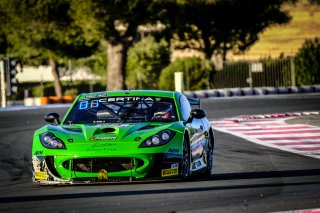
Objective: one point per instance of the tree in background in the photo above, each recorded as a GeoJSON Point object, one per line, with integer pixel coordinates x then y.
{"type": "Point", "coordinates": [196, 72]}
{"type": "Point", "coordinates": [117, 22]}
{"type": "Point", "coordinates": [145, 61]}
{"type": "Point", "coordinates": [307, 62]}
{"type": "Point", "coordinates": [216, 27]}
{"type": "Point", "coordinates": [97, 62]}
{"type": "Point", "coordinates": [42, 32]}
{"type": "Point", "coordinates": [52, 30]}
{"type": "Point", "coordinates": [3, 28]}
{"type": "Point", "coordinates": [212, 27]}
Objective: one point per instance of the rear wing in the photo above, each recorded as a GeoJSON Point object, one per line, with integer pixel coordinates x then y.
{"type": "Point", "coordinates": [194, 102]}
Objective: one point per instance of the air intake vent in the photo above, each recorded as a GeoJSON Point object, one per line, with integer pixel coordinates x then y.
{"type": "Point", "coordinates": [147, 127]}
{"type": "Point", "coordinates": [73, 129]}
{"type": "Point", "coordinates": [108, 130]}
{"type": "Point", "coordinates": [109, 164]}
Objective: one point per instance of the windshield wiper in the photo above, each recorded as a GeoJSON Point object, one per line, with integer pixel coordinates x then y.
{"type": "Point", "coordinates": [129, 111]}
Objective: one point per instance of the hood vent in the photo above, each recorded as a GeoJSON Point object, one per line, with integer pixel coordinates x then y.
{"type": "Point", "coordinates": [147, 127]}
{"type": "Point", "coordinates": [73, 129]}
{"type": "Point", "coordinates": [108, 130]}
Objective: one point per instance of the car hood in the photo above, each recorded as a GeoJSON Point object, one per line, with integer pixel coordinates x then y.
{"type": "Point", "coordinates": [109, 132]}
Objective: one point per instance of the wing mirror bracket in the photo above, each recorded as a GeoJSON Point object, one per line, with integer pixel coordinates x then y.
{"type": "Point", "coordinates": [197, 114]}
{"type": "Point", "coordinates": [52, 118]}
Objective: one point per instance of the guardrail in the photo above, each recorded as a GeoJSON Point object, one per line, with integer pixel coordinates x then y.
{"type": "Point", "coordinates": [230, 92]}
{"type": "Point", "coordinates": [216, 93]}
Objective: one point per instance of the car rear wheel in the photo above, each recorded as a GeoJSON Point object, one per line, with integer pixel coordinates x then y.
{"type": "Point", "coordinates": [185, 168]}
{"type": "Point", "coordinates": [210, 155]}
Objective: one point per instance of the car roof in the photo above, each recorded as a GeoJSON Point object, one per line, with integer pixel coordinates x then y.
{"type": "Point", "coordinates": [114, 93]}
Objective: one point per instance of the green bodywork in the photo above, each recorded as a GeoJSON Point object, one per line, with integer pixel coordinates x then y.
{"type": "Point", "coordinates": [124, 142]}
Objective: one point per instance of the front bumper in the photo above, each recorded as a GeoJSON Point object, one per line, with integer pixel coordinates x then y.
{"type": "Point", "coordinates": [69, 170]}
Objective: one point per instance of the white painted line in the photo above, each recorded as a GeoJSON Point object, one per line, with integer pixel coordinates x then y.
{"type": "Point", "coordinates": [284, 142]}
{"type": "Point", "coordinates": [275, 133]}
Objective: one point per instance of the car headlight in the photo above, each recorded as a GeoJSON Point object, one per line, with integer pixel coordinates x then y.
{"type": "Point", "coordinates": [50, 141]}
{"type": "Point", "coordinates": [158, 139]}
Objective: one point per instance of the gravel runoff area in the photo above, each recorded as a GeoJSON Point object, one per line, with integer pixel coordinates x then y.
{"type": "Point", "coordinates": [313, 120]}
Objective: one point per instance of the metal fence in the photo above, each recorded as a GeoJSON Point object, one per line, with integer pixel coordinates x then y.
{"type": "Point", "coordinates": [263, 73]}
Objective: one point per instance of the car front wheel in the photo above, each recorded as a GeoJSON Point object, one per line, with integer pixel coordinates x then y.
{"type": "Point", "coordinates": [185, 167]}
{"type": "Point", "coordinates": [210, 155]}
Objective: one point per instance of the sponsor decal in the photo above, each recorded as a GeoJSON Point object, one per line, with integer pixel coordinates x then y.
{"type": "Point", "coordinates": [96, 96]}
{"type": "Point", "coordinates": [115, 125]}
{"type": "Point", "coordinates": [39, 175]}
{"type": "Point", "coordinates": [174, 166]}
{"type": "Point", "coordinates": [38, 163]}
{"type": "Point", "coordinates": [172, 150]}
{"type": "Point", "coordinates": [104, 114]}
{"type": "Point", "coordinates": [86, 103]}
{"type": "Point", "coordinates": [198, 164]}
{"type": "Point", "coordinates": [98, 147]}
{"type": "Point", "coordinates": [104, 124]}
{"type": "Point", "coordinates": [102, 150]}
{"type": "Point", "coordinates": [127, 99]}
{"type": "Point", "coordinates": [169, 172]}
{"type": "Point", "coordinates": [197, 153]}
{"type": "Point", "coordinates": [197, 141]}
{"type": "Point", "coordinates": [98, 122]}
{"type": "Point", "coordinates": [106, 138]}
{"type": "Point", "coordinates": [102, 175]}
{"type": "Point", "coordinates": [38, 153]}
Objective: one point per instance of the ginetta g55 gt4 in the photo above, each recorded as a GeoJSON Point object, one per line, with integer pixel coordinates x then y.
{"type": "Point", "coordinates": [124, 135]}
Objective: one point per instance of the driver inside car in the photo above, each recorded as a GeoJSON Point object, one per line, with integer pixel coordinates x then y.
{"type": "Point", "coordinates": [162, 112]}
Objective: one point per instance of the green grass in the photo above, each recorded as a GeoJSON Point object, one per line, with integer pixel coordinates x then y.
{"type": "Point", "coordinates": [288, 38]}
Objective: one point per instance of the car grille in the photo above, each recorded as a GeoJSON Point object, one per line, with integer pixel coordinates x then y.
{"type": "Point", "coordinates": [109, 164]}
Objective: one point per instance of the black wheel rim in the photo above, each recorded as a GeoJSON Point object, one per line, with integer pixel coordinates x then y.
{"type": "Point", "coordinates": [210, 155]}
{"type": "Point", "coordinates": [186, 161]}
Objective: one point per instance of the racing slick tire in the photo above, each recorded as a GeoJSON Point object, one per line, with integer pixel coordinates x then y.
{"type": "Point", "coordinates": [186, 159]}
{"type": "Point", "coordinates": [209, 156]}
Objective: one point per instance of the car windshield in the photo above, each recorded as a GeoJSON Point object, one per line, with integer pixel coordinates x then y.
{"type": "Point", "coordinates": [122, 110]}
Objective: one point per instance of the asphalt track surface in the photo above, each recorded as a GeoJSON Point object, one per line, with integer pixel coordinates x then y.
{"type": "Point", "coordinates": [248, 177]}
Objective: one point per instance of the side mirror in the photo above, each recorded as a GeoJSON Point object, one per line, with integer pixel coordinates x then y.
{"type": "Point", "coordinates": [52, 118]}
{"type": "Point", "coordinates": [196, 113]}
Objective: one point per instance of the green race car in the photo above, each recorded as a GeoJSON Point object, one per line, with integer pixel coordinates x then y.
{"type": "Point", "coordinates": [124, 135]}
